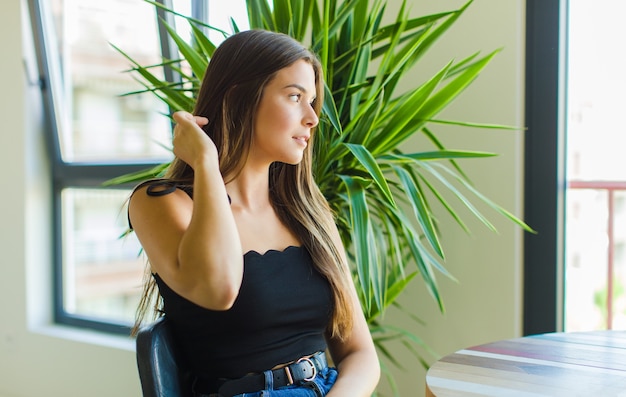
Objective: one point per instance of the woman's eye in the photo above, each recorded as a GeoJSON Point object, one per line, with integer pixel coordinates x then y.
{"type": "Point", "coordinates": [295, 97]}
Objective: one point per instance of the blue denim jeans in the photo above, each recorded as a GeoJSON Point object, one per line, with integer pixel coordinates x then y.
{"type": "Point", "coordinates": [318, 387]}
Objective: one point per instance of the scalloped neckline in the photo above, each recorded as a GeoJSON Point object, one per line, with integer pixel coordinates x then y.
{"type": "Point", "coordinates": [271, 251]}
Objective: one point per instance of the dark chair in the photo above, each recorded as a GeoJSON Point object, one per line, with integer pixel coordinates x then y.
{"type": "Point", "coordinates": [159, 366]}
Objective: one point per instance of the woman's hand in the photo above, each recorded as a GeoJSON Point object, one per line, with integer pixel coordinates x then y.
{"type": "Point", "coordinates": [191, 143]}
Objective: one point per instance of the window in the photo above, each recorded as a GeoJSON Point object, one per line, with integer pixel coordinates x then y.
{"type": "Point", "coordinates": [97, 132]}
{"type": "Point", "coordinates": [595, 265]}
{"type": "Point", "coordinates": [574, 196]}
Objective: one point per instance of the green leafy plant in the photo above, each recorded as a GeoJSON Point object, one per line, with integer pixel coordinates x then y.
{"type": "Point", "coordinates": [382, 195]}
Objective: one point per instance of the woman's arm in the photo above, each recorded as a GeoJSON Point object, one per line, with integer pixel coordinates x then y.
{"type": "Point", "coordinates": [355, 357]}
{"type": "Point", "coordinates": [194, 245]}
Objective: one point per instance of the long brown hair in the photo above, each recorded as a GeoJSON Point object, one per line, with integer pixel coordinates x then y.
{"type": "Point", "coordinates": [229, 96]}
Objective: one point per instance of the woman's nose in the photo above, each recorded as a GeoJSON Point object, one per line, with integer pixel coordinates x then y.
{"type": "Point", "coordinates": [310, 119]}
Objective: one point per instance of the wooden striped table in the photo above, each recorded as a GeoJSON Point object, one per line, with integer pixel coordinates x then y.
{"type": "Point", "coordinates": [556, 364]}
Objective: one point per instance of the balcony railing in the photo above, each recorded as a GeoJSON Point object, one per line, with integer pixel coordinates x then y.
{"type": "Point", "coordinates": [611, 188]}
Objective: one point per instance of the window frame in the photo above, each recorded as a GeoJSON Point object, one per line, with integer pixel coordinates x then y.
{"type": "Point", "coordinates": [544, 163]}
{"type": "Point", "coordinates": [81, 174]}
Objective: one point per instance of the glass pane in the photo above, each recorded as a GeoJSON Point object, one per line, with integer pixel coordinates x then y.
{"type": "Point", "coordinates": [104, 125]}
{"type": "Point", "coordinates": [595, 87]}
{"type": "Point", "coordinates": [596, 167]}
{"type": "Point", "coordinates": [102, 271]}
{"type": "Point", "coordinates": [586, 258]}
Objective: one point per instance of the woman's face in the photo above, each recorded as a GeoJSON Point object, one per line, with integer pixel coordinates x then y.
{"type": "Point", "coordinates": [285, 116]}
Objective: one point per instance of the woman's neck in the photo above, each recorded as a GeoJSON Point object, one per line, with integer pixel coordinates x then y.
{"type": "Point", "coordinates": [250, 189]}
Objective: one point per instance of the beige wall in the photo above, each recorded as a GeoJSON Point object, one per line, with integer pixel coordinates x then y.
{"type": "Point", "coordinates": [37, 358]}
{"type": "Point", "coordinates": [486, 302]}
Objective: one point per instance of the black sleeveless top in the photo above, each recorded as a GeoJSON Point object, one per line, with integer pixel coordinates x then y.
{"type": "Point", "coordinates": [282, 310]}
{"type": "Point", "coordinates": [281, 314]}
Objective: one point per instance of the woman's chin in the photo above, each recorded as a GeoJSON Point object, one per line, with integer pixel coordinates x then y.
{"type": "Point", "coordinates": [293, 160]}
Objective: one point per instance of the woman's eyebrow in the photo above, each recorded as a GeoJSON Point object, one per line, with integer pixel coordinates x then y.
{"type": "Point", "coordinates": [299, 87]}
{"type": "Point", "coordinates": [295, 85]}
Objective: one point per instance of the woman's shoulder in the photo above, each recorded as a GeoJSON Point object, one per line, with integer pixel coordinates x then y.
{"type": "Point", "coordinates": [172, 197]}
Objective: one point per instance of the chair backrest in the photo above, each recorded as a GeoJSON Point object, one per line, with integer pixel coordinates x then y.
{"type": "Point", "coordinates": [160, 371]}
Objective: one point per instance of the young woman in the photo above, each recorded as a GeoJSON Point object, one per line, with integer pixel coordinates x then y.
{"type": "Point", "coordinates": [241, 243]}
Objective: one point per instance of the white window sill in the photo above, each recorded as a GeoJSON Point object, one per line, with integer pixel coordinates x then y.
{"type": "Point", "coordinates": [86, 336]}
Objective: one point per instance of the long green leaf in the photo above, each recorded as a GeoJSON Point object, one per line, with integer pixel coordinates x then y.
{"type": "Point", "coordinates": [411, 24]}
{"type": "Point", "coordinates": [206, 47]}
{"type": "Point", "coordinates": [477, 125]}
{"type": "Point", "coordinates": [196, 61]}
{"type": "Point", "coordinates": [175, 98]}
{"type": "Point", "coordinates": [420, 209]}
{"type": "Point", "coordinates": [330, 110]}
{"type": "Point", "coordinates": [284, 16]}
{"type": "Point", "coordinates": [186, 17]}
{"type": "Point", "coordinates": [137, 176]}
{"type": "Point", "coordinates": [420, 255]}
{"type": "Point", "coordinates": [360, 227]}
{"type": "Point", "coordinates": [396, 131]}
{"type": "Point", "coordinates": [439, 196]}
{"type": "Point", "coordinates": [260, 15]}
{"type": "Point", "coordinates": [388, 57]}
{"type": "Point", "coordinates": [444, 96]}
{"type": "Point", "coordinates": [368, 124]}
{"type": "Point", "coordinates": [435, 140]}
{"type": "Point", "coordinates": [369, 162]}
{"type": "Point", "coordinates": [376, 90]}
{"type": "Point", "coordinates": [331, 26]}
{"type": "Point", "coordinates": [468, 203]}
{"type": "Point", "coordinates": [489, 202]}
{"type": "Point", "coordinates": [405, 158]}
{"type": "Point", "coordinates": [441, 29]}
{"type": "Point", "coordinates": [396, 287]}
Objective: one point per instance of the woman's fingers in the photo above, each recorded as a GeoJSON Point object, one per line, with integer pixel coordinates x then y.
{"type": "Point", "coordinates": [201, 120]}
{"type": "Point", "coordinates": [190, 142]}
{"type": "Point", "coordinates": [182, 117]}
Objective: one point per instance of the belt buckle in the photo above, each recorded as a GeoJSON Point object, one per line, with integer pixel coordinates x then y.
{"type": "Point", "coordinates": [308, 360]}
